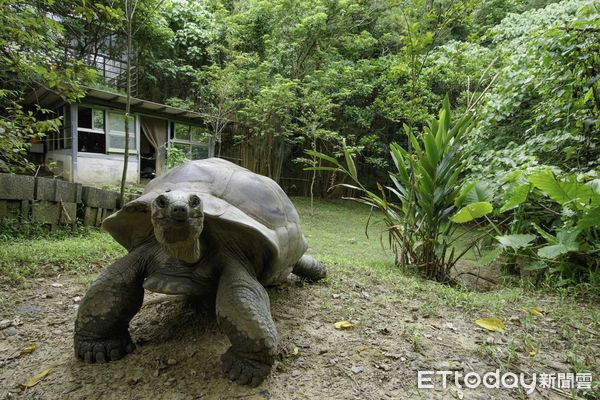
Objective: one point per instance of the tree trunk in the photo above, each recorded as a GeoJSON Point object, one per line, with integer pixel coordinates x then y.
{"type": "Point", "coordinates": [129, 10]}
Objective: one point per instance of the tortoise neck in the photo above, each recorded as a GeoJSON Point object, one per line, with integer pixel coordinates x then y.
{"type": "Point", "coordinates": [180, 243]}
{"type": "Point", "coordinates": [187, 251]}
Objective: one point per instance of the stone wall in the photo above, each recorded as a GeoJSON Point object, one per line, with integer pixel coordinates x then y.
{"type": "Point", "coordinates": [53, 201]}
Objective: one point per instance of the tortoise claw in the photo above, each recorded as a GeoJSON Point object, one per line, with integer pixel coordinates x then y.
{"type": "Point", "coordinates": [244, 370]}
{"type": "Point", "coordinates": [101, 350]}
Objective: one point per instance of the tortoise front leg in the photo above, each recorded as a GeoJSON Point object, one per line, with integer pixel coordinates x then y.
{"type": "Point", "coordinates": [101, 328]}
{"type": "Point", "coordinates": [244, 314]}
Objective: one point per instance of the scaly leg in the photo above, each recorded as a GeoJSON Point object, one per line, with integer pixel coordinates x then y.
{"type": "Point", "coordinates": [244, 314]}
{"type": "Point", "coordinates": [101, 328]}
{"type": "Point", "coordinates": [309, 269]}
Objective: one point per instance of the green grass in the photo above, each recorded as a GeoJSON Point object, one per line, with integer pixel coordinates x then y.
{"type": "Point", "coordinates": [336, 232]}
{"type": "Point", "coordinates": [336, 235]}
{"type": "Point", "coordinates": [82, 251]}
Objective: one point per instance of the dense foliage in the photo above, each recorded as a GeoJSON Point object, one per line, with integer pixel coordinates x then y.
{"type": "Point", "coordinates": [344, 77]}
{"type": "Point", "coordinates": [30, 57]}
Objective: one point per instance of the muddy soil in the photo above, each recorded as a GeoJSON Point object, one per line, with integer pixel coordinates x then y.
{"type": "Point", "coordinates": [179, 347]}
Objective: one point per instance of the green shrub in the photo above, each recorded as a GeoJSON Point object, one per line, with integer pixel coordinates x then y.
{"type": "Point", "coordinates": [555, 224]}
{"type": "Point", "coordinates": [419, 208]}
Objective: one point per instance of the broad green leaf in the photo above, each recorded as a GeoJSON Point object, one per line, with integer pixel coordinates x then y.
{"type": "Point", "coordinates": [556, 250]}
{"type": "Point", "coordinates": [590, 219]}
{"type": "Point", "coordinates": [567, 236]}
{"type": "Point", "coordinates": [535, 266]}
{"type": "Point", "coordinates": [516, 241]}
{"type": "Point", "coordinates": [491, 324]}
{"type": "Point", "coordinates": [490, 256]}
{"type": "Point", "coordinates": [480, 192]}
{"type": "Point", "coordinates": [472, 211]}
{"type": "Point", "coordinates": [567, 191]}
{"type": "Point", "coordinates": [566, 243]}
{"type": "Point", "coordinates": [464, 191]}
{"type": "Point", "coordinates": [516, 196]}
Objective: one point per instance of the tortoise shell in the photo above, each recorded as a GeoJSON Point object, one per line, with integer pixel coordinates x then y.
{"type": "Point", "coordinates": [230, 195]}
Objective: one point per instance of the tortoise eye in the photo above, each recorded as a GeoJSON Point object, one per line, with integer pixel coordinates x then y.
{"type": "Point", "coordinates": [194, 201]}
{"type": "Point", "coordinates": [161, 201]}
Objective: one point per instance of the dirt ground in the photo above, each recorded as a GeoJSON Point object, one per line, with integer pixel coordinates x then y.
{"type": "Point", "coordinates": [178, 348]}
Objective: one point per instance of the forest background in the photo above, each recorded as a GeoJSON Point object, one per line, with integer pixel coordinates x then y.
{"type": "Point", "coordinates": [349, 78]}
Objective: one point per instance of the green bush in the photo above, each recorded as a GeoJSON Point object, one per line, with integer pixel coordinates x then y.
{"type": "Point", "coordinates": [555, 225]}
{"type": "Point", "coordinates": [419, 209]}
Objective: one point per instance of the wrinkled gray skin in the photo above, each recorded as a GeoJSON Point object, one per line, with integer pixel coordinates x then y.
{"type": "Point", "coordinates": [206, 228]}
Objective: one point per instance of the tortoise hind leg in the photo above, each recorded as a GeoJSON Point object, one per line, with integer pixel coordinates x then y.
{"type": "Point", "coordinates": [309, 269]}
{"type": "Point", "coordinates": [101, 328]}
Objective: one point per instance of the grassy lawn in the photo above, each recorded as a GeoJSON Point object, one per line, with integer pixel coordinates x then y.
{"type": "Point", "coordinates": [362, 270]}
{"type": "Point", "coordinates": [336, 232]}
{"type": "Point", "coordinates": [82, 252]}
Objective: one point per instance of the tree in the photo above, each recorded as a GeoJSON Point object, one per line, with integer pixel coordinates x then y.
{"type": "Point", "coordinates": [130, 7]}
{"type": "Point", "coordinates": [218, 90]}
{"type": "Point", "coordinates": [31, 58]}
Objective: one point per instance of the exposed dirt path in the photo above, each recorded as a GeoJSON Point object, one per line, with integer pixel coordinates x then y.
{"type": "Point", "coordinates": [178, 354]}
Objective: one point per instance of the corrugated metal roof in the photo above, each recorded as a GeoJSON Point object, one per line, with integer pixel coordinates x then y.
{"type": "Point", "coordinates": [49, 98]}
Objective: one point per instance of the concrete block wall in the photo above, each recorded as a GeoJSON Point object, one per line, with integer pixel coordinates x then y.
{"type": "Point", "coordinates": [53, 201]}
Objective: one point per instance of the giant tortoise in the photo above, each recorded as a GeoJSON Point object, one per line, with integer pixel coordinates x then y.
{"type": "Point", "coordinates": [207, 227]}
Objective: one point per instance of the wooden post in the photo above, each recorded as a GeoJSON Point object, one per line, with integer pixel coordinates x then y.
{"type": "Point", "coordinates": [73, 122]}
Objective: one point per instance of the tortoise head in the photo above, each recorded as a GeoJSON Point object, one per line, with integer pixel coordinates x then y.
{"type": "Point", "coordinates": [178, 219]}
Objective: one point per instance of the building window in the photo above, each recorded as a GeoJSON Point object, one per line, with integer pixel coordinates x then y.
{"type": "Point", "coordinates": [116, 132]}
{"type": "Point", "coordinates": [90, 130]}
{"type": "Point", "coordinates": [191, 140]}
{"type": "Point", "coordinates": [102, 131]}
{"type": "Point", "coordinates": [60, 139]}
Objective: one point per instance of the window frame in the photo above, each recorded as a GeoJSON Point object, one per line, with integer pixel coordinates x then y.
{"type": "Point", "coordinates": [109, 133]}
{"type": "Point", "coordinates": [188, 142]}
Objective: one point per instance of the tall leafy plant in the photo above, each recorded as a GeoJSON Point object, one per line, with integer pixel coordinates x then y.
{"type": "Point", "coordinates": [564, 237]}
{"type": "Point", "coordinates": [419, 209]}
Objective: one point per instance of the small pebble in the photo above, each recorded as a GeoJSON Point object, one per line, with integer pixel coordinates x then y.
{"type": "Point", "coordinates": [357, 370]}
{"type": "Point", "coordinates": [171, 361]}
{"type": "Point", "coordinates": [295, 373]}
{"type": "Point", "coordinates": [10, 331]}
{"type": "Point", "coordinates": [119, 375]}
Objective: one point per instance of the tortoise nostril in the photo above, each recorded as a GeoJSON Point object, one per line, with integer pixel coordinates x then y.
{"type": "Point", "coordinates": [179, 212]}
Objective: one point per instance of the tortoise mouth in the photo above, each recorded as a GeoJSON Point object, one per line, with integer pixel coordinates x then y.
{"type": "Point", "coordinates": [167, 221]}
{"type": "Point", "coordinates": [180, 239]}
